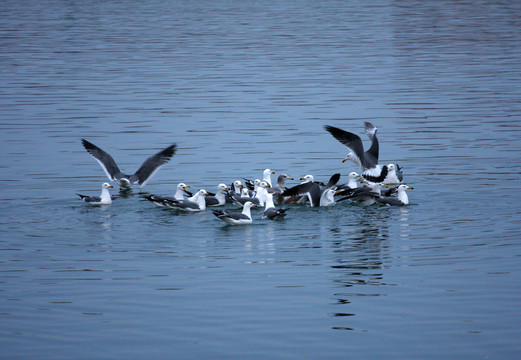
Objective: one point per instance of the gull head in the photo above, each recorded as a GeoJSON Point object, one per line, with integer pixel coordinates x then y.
{"type": "Point", "coordinates": [307, 178]}
{"type": "Point", "coordinates": [249, 204]}
{"type": "Point", "coordinates": [268, 172]}
{"type": "Point", "coordinates": [222, 187]}
{"type": "Point", "coordinates": [404, 187]}
{"type": "Point", "coordinates": [264, 184]}
{"type": "Point", "coordinates": [349, 156]}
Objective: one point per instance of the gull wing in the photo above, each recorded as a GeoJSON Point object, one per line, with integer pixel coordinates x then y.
{"type": "Point", "coordinates": [104, 159]}
{"type": "Point", "coordinates": [352, 141]}
{"type": "Point", "coordinates": [151, 165]}
{"type": "Point", "coordinates": [310, 189]}
{"type": "Point", "coordinates": [371, 155]}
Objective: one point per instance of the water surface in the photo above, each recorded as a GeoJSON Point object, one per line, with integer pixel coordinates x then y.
{"type": "Point", "coordinates": [241, 87]}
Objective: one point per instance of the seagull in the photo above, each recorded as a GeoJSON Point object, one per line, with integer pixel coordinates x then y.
{"type": "Point", "coordinates": [281, 183]}
{"type": "Point", "coordinates": [351, 185]}
{"type": "Point", "coordinates": [235, 218]}
{"type": "Point", "coordinates": [149, 167]}
{"type": "Point", "coordinates": [401, 200]}
{"type": "Point", "coordinates": [318, 195]}
{"type": "Point", "coordinates": [103, 199]}
{"type": "Point", "coordinates": [242, 199]}
{"type": "Point", "coordinates": [366, 195]}
{"type": "Point", "coordinates": [394, 175]}
{"type": "Point", "coordinates": [307, 178]}
{"type": "Point", "coordinates": [367, 160]}
{"type": "Point", "coordinates": [219, 198]}
{"type": "Point", "coordinates": [160, 200]}
{"type": "Point", "coordinates": [256, 183]}
{"type": "Point", "coordinates": [266, 176]}
{"type": "Point", "coordinates": [236, 187]}
{"type": "Point", "coordinates": [278, 189]}
{"type": "Point", "coordinates": [262, 192]}
{"type": "Point", "coordinates": [328, 197]}
{"type": "Point", "coordinates": [270, 212]}
{"type": "Point", "coordinates": [236, 190]}
{"type": "Point", "coordinates": [195, 203]}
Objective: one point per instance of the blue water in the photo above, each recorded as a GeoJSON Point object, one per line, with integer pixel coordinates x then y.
{"type": "Point", "coordinates": [241, 86]}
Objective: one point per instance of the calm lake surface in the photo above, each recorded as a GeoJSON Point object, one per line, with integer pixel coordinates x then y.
{"type": "Point", "coordinates": [242, 86]}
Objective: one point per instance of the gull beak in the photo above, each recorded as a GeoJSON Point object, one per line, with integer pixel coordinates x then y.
{"type": "Point", "coordinates": [362, 181]}
{"type": "Point", "coordinates": [227, 188]}
{"type": "Point", "coordinates": [273, 172]}
{"type": "Point", "coordinates": [207, 193]}
{"type": "Point", "coordinates": [110, 186]}
{"type": "Point", "coordinates": [345, 160]}
{"type": "Point", "coordinates": [302, 178]}
{"type": "Point", "coordinates": [410, 187]}
{"type": "Point", "coordinates": [254, 205]}
{"type": "Point", "coordinates": [289, 178]}
{"type": "Point", "coordinates": [358, 176]}
{"type": "Point", "coordinates": [337, 192]}
{"type": "Point", "coordinates": [268, 185]}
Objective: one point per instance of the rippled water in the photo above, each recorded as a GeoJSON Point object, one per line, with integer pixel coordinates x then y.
{"type": "Point", "coordinates": [241, 86]}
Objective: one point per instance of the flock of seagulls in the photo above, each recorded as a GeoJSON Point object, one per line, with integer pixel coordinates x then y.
{"type": "Point", "coordinates": [376, 184]}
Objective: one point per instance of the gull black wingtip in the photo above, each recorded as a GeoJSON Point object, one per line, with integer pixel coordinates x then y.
{"type": "Point", "coordinates": [87, 144]}
{"type": "Point", "coordinates": [171, 150]}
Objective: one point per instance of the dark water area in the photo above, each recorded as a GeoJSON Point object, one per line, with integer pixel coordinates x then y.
{"type": "Point", "coordinates": [240, 87]}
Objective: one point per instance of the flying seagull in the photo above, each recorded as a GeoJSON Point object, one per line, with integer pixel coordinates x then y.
{"type": "Point", "coordinates": [367, 160]}
{"type": "Point", "coordinates": [141, 176]}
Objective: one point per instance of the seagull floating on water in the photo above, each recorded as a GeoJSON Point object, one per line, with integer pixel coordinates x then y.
{"type": "Point", "coordinates": [160, 200]}
{"type": "Point", "coordinates": [192, 204]}
{"type": "Point", "coordinates": [278, 189]}
{"type": "Point", "coordinates": [394, 176]}
{"type": "Point", "coordinates": [103, 199]}
{"type": "Point", "coordinates": [318, 195]}
{"type": "Point", "coordinates": [242, 199]}
{"type": "Point", "coordinates": [270, 211]}
{"type": "Point", "coordinates": [235, 218]}
{"type": "Point", "coordinates": [400, 200]}
{"type": "Point", "coordinates": [262, 192]}
{"type": "Point", "coordinates": [149, 167]}
{"type": "Point", "coordinates": [366, 195]}
{"type": "Point", "coordinates": [219, 198]}
{"type": "Point", "coordinates": [351, 185]}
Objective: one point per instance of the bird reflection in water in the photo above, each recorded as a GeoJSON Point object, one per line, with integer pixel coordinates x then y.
{"type": "Point", "coordinates": [359, 259]}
